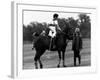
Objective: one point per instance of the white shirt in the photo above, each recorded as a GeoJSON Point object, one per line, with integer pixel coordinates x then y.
{"type": "Point", "coordinates": [52, 32]}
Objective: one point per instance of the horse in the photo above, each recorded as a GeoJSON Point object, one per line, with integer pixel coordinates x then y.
{"type": "Point", "coordinates": [43, 43]}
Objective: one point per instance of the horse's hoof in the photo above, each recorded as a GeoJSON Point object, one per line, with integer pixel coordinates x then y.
{"type": "Point", "coordinates": [58, 66]}
{"type": "Point", "coordinates": [64, 66]}
{"type": "Point", "coordinates": [41, 66]}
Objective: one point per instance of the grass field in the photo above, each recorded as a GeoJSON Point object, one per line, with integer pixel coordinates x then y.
{"type": "Point", "coordinates": [50, 59]}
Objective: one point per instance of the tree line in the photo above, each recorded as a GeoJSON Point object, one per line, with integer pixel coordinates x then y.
{"type": "Point", "coordinates": [83, 22]}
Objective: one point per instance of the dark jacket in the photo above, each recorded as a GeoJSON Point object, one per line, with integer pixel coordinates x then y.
{"type": "Point", "coordinates": [77, 42]}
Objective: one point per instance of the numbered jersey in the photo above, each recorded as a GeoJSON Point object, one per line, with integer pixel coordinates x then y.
{"type": "Point", "coordinates": [52, 32]}
{"type": "Point", "coordinates": [55, 22]}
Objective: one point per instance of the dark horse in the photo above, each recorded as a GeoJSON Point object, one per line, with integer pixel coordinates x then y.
{"type": "Point", "coordinates": [43, 43]}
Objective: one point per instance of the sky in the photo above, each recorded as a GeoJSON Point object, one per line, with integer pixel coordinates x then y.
{"type": "Point", "coordinates": [37, 16]}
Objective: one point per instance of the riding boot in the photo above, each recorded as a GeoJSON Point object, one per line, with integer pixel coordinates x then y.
{"type": "Point", "coordinates": [54, 43]}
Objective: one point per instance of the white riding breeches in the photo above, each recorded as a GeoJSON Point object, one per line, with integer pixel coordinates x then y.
{"type": "Point", "coordinates": [52, 31]}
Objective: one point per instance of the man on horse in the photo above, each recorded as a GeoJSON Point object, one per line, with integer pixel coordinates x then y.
{"type": "Point", "coordinates": [54, 26]}
{"type": "Point", "coordinates": [44, 42]}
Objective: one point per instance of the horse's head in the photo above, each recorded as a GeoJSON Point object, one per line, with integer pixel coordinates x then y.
{"type": "Point", "coordinates": [68, 30]}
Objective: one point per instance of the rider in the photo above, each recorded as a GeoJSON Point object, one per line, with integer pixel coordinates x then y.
{"type": "Point", "coordinates": [53, 28]}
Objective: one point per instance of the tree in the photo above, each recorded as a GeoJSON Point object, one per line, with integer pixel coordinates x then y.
{"type": "Point", "coordinates": [73, 22]}
{"type": "Point", "coordinates": [85, 25]}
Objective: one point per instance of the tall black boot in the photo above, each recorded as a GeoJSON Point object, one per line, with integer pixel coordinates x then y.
{"type": "Point", "coordinates": [54, 44]}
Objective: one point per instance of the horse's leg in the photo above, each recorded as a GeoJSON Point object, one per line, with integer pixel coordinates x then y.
{"type": "Point", "coordinates": [41, 52]}
{"type": "Point", "coordinates": [41, 66]}
{"type": "Point", "coordinates": [36, 66]}
{"type": "Point", "coordinates": [63, 57]}
{"type": "Point", "coordinates": [59, 54]}
{"type": "Point", "coordinates": [36, 58]}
